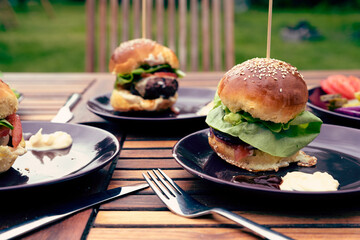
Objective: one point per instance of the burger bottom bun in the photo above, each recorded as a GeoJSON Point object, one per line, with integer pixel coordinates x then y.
{"type": "Point", "coordinates": [124, 101]}
{"type": "Point", "coordinates": [8, 155]}
{"type": "Point", "coordinates": [259, 160]}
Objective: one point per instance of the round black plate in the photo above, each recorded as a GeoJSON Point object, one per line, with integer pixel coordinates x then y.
{"type": "Point", "coordinates": [336, 147]}
{"type": "Point", "coordinates": [92, 149]}
{"type": "Point", "coordinates": [319, 108]}
{"type": "Point", "coordinates": [190, 100]}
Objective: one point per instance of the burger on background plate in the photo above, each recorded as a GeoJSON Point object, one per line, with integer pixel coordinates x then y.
{"type": "Point", "coordinates": [12, 143]}
{"type": "Point", "coordinates": [146, 76]}
{"type": "Point", "coordinates": [259, 122]}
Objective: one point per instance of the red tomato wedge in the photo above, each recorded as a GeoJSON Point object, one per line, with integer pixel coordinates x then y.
{"type": "Point", "coordinates": [14, 119]}
{"type": "Point", "coordinates": [346, 86]}
{"type": "Point", "coordinates": [326, 86]}
{"type": "Point", "coordinates": [355, 82]}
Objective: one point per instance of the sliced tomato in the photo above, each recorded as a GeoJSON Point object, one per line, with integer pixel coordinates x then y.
{"type": "Point", "coordinates": [14, 119]}
{"type": "Point", "coordinates": [4, 131]}
{"type": "Point", "coordinates": [341, 85]}
{"type": "Point", "coordinates": [355, 82]}
{"type": "Point", "coordinates": [165, 74]}
{"type": "Point", "coordinates": [144, 75]}
{"type": "Point", "coordinates": [326, 86]}
{"type": "Point", "coordinates": [241, 151]}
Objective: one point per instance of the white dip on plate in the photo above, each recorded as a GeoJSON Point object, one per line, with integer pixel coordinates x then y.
{"type": "Point", "coordinates": [45, 142]}
{"type": "Point", "coordinates": [318, 181]}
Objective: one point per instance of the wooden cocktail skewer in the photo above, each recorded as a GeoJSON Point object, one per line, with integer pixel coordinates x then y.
{"type": "Point", "coordinates": [144, 19]}
{"type": "Point", "coordinates": [269, 29]}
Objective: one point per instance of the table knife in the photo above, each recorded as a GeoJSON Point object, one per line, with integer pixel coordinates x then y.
{"type": "Point", "coordinates": [64, 114]}
{"type": "Point", "coordinates": [68, 209]}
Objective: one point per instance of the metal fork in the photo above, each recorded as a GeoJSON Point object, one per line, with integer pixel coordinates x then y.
{"type": "Point", "coordinates": [179, 202]}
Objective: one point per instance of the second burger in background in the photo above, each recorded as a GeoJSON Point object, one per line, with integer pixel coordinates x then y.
{"type": "Point", "coordinates": [259, 121]}
{"type": "Point", "coordinates": [146, 76]}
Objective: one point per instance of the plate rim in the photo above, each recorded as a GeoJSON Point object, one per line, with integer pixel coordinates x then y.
{"type": "Point", "coordinates": [124, 118]}
{"type": "Point", "coordinates": [77, 173]}
{"type": "Point", "coordinates": [255, 188]}
{"type": "Point", "coordinates": [312, 105]}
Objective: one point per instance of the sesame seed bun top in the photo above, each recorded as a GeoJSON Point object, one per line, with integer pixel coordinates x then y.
{"type": "Point", "coordinates": [268, 89]}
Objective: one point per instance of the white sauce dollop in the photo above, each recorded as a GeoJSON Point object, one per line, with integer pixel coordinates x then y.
{"type": "Point", "coordinates": [318, 181]}
{"type": "Point", "coordinates": [43, 142]}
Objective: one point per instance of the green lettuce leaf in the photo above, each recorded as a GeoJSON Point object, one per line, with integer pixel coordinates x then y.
{"type": "Point", "coordinates": [5, 123]}
{"type": "Point", "coordinates": [281, 140]}
{"type": "Point", "coordinates": [123, 79]}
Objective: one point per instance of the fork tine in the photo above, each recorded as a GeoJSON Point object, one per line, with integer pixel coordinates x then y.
{"type": "Point", "coordinates": [158, 191]}
{"type": "Point", "coordinates": [179, 189]}
{"type": "Point", "coordinates": [165, 183]}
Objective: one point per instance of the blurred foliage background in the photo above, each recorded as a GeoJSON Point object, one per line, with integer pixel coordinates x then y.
{"type": "Point", "coordinates": [38, 42]}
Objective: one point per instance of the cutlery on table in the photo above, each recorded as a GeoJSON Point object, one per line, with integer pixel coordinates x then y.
{"type": "Point", "coordinates": [64, 114]}
{"type": "Point", "coordinates": [68, 209]}
{"type": "Point", "coordinates": [179, 202]}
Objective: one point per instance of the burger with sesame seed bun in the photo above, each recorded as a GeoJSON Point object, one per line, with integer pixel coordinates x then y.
{"type": "Point", "coordinates": [259, 122]}
{"type": "Point", "coordinates": [146, 76]}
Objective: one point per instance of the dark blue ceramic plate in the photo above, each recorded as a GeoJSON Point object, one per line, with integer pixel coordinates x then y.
{"type": "Point", "coordinates": [190, 101]}
{"type": "Point", "coordinates": [92, 149]}
{"type": "Point", "coordinates": [336, 148]}
{"type": "Point", "coordinates": [319, 108]}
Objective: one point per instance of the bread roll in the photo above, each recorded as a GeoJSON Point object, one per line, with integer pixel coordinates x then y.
{"type": "Point", "coordinates": [268, 89]}
{"type": "Point", "coordinates": [8, 101]}
{"type": "Point", "coordinates": [132, 54]}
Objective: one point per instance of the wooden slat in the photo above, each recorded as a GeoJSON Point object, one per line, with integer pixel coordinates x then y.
{"type": "Point", "coordinates": [143, 218]}
{"type": "Point", "coordinates": [90, 36]}
{"type": "Point", "coordinates": [160, 21]}
{"type": "Point", "coordinates": [229, 33]}
{"type": "Point", "coordinates": [217, 233]}
{"type": "Point", "coordinates": [137, 174]}
{"type": "Point", "coordinates": [146, 164]}
{"type": "Point", "coordinates": [149, 153]}
{"type": "Point", "coordinates": [168, 233]}
{"type": "Point", "coordinates": [149, 22]}
{"type": "Point", "coordinates": [102, 35]}
{"type": "Point", "coordinates": [182, 33]}
{"type": "Point", "coordinates": [205, 35]}
{"type": "Point", "coordinates": [216, 34]}
{"type": "Point", "coordinates": [137, 18]}
{"type": "Point", "coordinates": [194, 38]}
{"type": "Point", "coordinates": [149, 144]}
{"type": "Point", "coordinates": [191, 185]}
{"type": "Point", "coordinates": [125, 8]}
{"type": "Point", "coordinates": [114, 8]}
{"type": "Point", "coordinates": [171, 25]}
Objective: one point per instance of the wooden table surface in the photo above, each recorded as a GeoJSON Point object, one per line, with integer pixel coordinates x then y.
{"type": "Point", "coordinates": [144, 147]}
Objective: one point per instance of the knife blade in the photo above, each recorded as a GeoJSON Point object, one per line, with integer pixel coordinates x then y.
{"type": "Point", "coordinates": [68, 209]}
{"type": "Point", "coordinates": [64, 114]}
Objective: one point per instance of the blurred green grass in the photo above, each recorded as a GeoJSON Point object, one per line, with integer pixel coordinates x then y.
{"type": "Point", "coordinates": [40, 44]}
